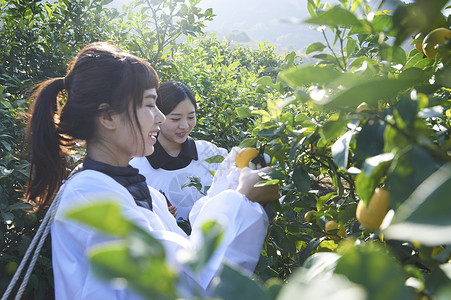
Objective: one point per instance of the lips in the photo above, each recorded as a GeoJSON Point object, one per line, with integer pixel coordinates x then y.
{"type": "Point", "coordinates": [181, 134]}
{"type": "Point", "coordinates": [154, 135]}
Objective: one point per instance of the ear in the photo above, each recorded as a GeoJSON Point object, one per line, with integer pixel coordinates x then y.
{"type": "Point", "coordinates": [107, 118]}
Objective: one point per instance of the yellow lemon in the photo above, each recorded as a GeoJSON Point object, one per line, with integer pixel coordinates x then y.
{"type": "Point", "coordinates": [244, 156]}
{"type": "Point", "coordinates": [436, 36]}
{"type": "Point", "coordinates": [371, 216]}
{"type": "Point", "coordinates": [332, 225]}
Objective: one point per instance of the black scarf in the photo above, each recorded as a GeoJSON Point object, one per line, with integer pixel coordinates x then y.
{"type": "Point", "coordinates": [161, 159]}
{"type": "Point", "coordinates": [128, 177]}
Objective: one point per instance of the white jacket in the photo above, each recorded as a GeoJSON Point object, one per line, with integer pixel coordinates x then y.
{"type": "Point", "coordinates": [246, 226]}
{"type": "Point", "coordinates": [171, 181]}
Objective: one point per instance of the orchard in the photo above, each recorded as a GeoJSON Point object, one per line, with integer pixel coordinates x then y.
{"type": "Point", "coordinates": [359, 141]}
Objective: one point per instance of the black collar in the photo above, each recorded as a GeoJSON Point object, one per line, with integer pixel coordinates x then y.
{"type": "Point", "coordinates": [128, 177]}
{"type": "Point", "coordinates": [161, 159]}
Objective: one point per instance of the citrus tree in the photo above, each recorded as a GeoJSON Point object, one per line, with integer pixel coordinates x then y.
{"type": "Point", "coordinates": [370, 116]}
{"type": "Point", "coordinates": [359, 141]}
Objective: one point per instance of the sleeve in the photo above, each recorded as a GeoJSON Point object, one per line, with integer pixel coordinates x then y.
{"type": "Point", "coordinates": [226, 176]}
{"type": "Point", "coordinates": [245, 226]}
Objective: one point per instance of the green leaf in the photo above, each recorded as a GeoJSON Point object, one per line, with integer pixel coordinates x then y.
{"type": "Point", "coordinates": [370, 92]}
{"type": "Point", "coordinates": [234, 284]}
{"type": "Point", "coordinates": [316, 280]}
{"type": "Point", "coordinates": [382, 23]}
{"type": "Point", "coordinates": [243, 112]}
{"type": "Point", "coordinates": [309, 75]}
{"type": "Point", "coordinates": [19, 206]}
{"type": "Point", "coordinates": [301, 179]}
{"type": "Point", "coordinates": [411, 167]}
{"type": "Point", "coordinates": [265, 82]}
{"type": "Point", "coordinates": [374, 269]}
{"type": "Point", "coordinates": [369, 141]}
{"type": "Point", "coordinates": [395, 54]}
{"type": "Point", "coordinates": [340, 149]}
{"type": "Point", "coordinates": [197, 258]}
{"type": "Point", "coordinates": [313, 47]}
{"type": "Point", "coordinates": [215, 159]}
{"type": "Point", "coordinates": [104, 215]}
{"type": "Point", "coordinates": [419, 60]}
{"type": "Point", "coordinates": [249, 142]}
{"type": "Point", "coordinates": [350, 46]}
{"type": "Point", "coordinates": [333, 127]}
{"type": "Point", "coordinates": [373, 172]}
{"type": "Point", "coordinates": [319, 264]}
{"type": "Point", "coordinates": [335, 16]}
{"type": "Point", "coordinates": [147, 275]}
{"type": "Point", "coordinates": [424, 216]}
{"type": "Point", "coordinates": [267, 182]}
{"type": "Point", "coordinates": [407, 109]}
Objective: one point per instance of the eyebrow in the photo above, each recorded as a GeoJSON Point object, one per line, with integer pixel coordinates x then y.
{"type": "Point", "coordinates": [177, 114]}
{"type": "Point", "coordinates": [152, 96]}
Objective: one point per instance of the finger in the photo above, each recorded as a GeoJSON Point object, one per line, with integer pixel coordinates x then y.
{"type": "Point", "coordinates": [266, 169]}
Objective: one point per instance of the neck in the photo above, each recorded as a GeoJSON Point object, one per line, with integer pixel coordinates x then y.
{"type": "Point", "coordinates": [102, 153]}
{"type": "Point", "coordinates": [171, 148]}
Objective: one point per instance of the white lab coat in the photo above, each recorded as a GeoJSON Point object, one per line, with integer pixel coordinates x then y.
{"type": "Point", "coordinates": [171, 181]}
{"type": "Point", "coordinates": [245, 225]}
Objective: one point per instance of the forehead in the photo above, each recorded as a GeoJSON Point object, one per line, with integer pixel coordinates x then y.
{"type": "Point", "coordinates": [184, 106]}
{"type": "Point", "coordinates": [150, 93]}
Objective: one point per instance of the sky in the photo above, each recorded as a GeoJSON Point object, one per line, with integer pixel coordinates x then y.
{"type": "Point", "coordinates": [266, 20]}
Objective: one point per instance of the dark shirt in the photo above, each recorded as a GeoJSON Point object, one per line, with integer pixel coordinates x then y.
{"type": "Point", "coordinates": [161, 159]}
{"type": "Point", "coordinates": [128, 177]}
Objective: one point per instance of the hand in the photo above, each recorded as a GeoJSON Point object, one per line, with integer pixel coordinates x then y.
{"type": "Point", "coordinates": [173, 210]}
{"type": "Point", "coordinates": [263, 194]}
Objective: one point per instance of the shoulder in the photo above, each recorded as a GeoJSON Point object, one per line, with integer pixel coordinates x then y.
{"type": "Point", "coordinates": [89, 178]}
{"type": "Point", "coordinates": [140, 163]}
{"type": "Point", "coordinates": [207, 149]}
{"type": "Point", "coordinates": [91, 186]}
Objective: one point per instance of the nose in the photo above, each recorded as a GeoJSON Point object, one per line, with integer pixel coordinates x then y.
{"type": "Point", "coordinates": [183, 124]}
{"type": "Point", "coordinates": [160, 118]}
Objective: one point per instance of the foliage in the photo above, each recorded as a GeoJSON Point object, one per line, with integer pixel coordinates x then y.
{"type": "Point", "coordinates": [151, 28]}
{"type": "Point", "coordinates": [386, 125]}
{"type": "Point", "coordinates": [221, 78]}
{"type": "Point", "coordinates": [36, 42]}
{"type": "Point", "coordinates": [367, 114]}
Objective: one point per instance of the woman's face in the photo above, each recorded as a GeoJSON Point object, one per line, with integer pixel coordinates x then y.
{"type": "Point", "coordinates": [179, 123]}
{"type": "Point", "coordinates": [133, 142]}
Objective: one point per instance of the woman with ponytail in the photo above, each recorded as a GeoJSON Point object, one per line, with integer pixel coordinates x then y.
{"type": "Point", "coordinates": [109, 104]}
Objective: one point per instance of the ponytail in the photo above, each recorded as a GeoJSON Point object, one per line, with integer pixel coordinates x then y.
{"type": "Point", "coordinates": [48, 163]}
{"type": "Point", "coordinates": [100, 73]}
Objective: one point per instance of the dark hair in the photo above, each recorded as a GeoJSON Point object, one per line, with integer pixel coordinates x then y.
{"type": "Point", "coordinates": [170, 94]}
{"type": "Point", "coordinates": [100, 73]}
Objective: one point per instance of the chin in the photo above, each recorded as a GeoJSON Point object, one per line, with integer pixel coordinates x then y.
{"type": "Point", "coordinates": [181, 140]}
{"type": "Point", "coordinates": [148, 151]}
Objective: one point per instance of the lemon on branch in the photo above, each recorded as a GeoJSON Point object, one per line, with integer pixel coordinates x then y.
{"type": "Point", "coordinates": [244, 156]}
{"type": "Point", "coordinates": [333, 225]}
{"type": "Point", "coordinates": [371, 216]}
{"type": "Point", "coordinates": [251, 157]}
{"type": "Point", "coordinates": [435, 37]}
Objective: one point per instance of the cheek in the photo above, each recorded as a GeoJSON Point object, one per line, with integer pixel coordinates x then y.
{"type": "Point", "coordinates": [149, 119]}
